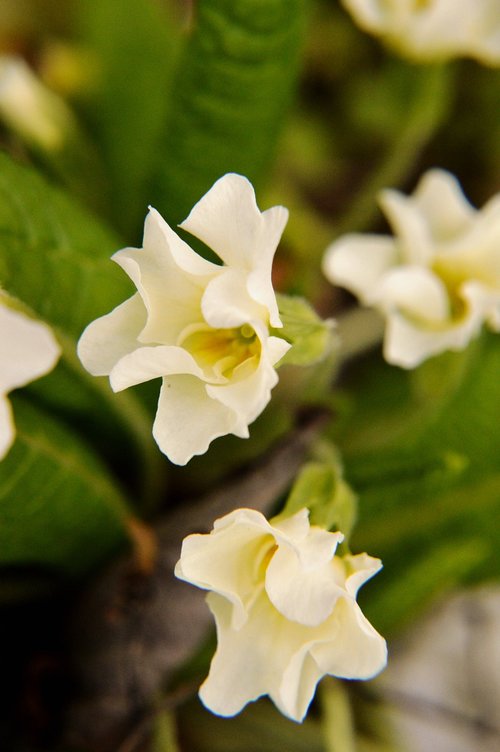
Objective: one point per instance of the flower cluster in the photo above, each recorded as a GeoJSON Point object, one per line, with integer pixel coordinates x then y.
{"type": "Point", "coordinates": [430, 30]}
{"type": "Point", "coordinates": [437, 280]}
{"type": "Point", "coordinates": [28, 350]}
{"type": "Point", "coordinates": [285, 609]}
{"type": "Point", "coordinates": [203, 327]}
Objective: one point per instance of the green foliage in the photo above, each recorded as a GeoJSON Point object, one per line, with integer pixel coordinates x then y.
{"type": "Point", "coordinates": [54, 256]}
{"type": "Point", "coordinates": [430, 485]}
{"type": "Point", "coordinates": [58, 506]}
{"type": "Point", "coordinates": [311, 337]}
{"type": "Point", "coordinates": [232, 86]}
{"type": "Point", "coordinates": [321, 488]}
{"type": "Point", "coordinates": [133, 44]}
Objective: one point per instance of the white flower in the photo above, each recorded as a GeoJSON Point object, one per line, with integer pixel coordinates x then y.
{"type": "Point", "coordinates": [437, 280]}
{"type": "Point", "coordinates": [432, 30]}
{"type": "Point", "coordinates": [203, 327]}
{"type": "Point", "coordinates": [28, 350]}
{"type": "Point", "coordinates": [285, 609]}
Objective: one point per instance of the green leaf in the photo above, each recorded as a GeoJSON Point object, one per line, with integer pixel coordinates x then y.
{"type": "Point", "coordinates": [311, 338]}
{"type": "Point", "coordinates": [431, 479]}
{"type": "Point", "coordinates": [53, 255]}
{"type": "Point", "coordinates": [58, 506]}
{"type": "Point", "coordinates": [134, 44]}
{"type": "Point", "coordinates": [321, 488]}
{"type": "Point", "coordinates": [233, 84]}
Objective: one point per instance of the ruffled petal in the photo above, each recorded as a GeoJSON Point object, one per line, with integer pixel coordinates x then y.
{"type": "Point", "coordinates": [415, 291]}
{"type": "Point", "coordinates": [347, 645]}
{"type": "Point", "coordinates": [358, 570]}
{"type": "Point", "coordinates": [111, 337]}
{"type": "Point", "coordinates": [28, 349]}
{"type": "Point", "coordinates": [228, 560]}
{"type": "Point", "coordinates": [441, 201]}
{"type": "Point", "coordinates": [412, 232]}
{"type": "Point", "coordinates": [188, 420]}
{"type": "Point", "coordinates": [358, 262]}
{"type": "Point", "coordinates": [247, 397]}
{"type": "Point", "coordinates": [226, 302]}
{"type": "Point", "coordinates": [229, 221]}
{"type": "Point", "coordinates": [146, 363]}
{"type": "Point", "coordinates": [301, 581]}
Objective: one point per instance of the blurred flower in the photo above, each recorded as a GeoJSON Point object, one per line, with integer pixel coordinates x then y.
{"type": "Point", "coordinates": [432, 30]}
{"type": "Point", "coordinates": [28, 350]}
{"type": "Point", "coordinates": [437, 280]}
{"type": "Point", "coordinates": [203, 327]}
{"type": "Point", "coordinates": [285, 609]}
{"type": "Point", "coordinates": [38, 115]}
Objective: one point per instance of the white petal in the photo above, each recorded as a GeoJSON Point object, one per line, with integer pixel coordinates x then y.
{"type": "Point", "coordinates": [109, 338]}
{"type": "Point", "coordinates": [28, 349]}
{"type": "Point", "coordinates": [440, 199]}
{"type": "Point", "coordinates": [358, 262]}
{"type": "Point", "coordinates": [146, 363]}
{"type": "Point", "coordinates": [301, 583]}
{"type": "Point", "coordinates": [188, 420]}
{"type": "Point", "coordinates": [228, 560]}
{"type": "Point", "coordinates": [347, 645]}
{"type": "Point", "coordinates": [359, 569]}
{"type": "Point", "coordinates": [7, 430]}
{"type": "Point", "coordinates": [411, 229]}
{"type": "Point", "coordinates": [247, 397]}
{"type": "Point", "coordinates": [226, 302]}
{"type": "Point", "coordinates": [415, 291]}
{"type": "Point", "coordinates": [229, 221]}
{"type": "Point", "coordinates": [170, 278]}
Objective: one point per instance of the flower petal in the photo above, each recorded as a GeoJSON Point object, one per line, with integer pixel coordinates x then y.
{"type": "Point", "coordinates": [347, 645]}
{"type": "Point", "coordinates": [358, 262]}
{"type": "Point", "coordinates": [247, 397]}
{"type": "Point", "coordinates": [28, 349]}
{"type": "Point", "coordinates": [416, 292]}
{"type": "Point", "coordinates": [109, 338]}
{"type": "Point", "coordinates": [414, 240]}
{"type": "Point", "coordinates": [301, 582]}
{"type": "Point", "coordinates": [187, 420]}
{"type": "Point", "coordinates": [440, 199]}
{"type": "Point", "coordinates": [146, 363]}
{"type": "Point", "coordinates": [226, 302]}
{"type": "Point", "coordinates": [229, 221]}
{"type": "Point", "coordinates": [170, 278]}
{"type": "Point", "coordinates": [220, 561]}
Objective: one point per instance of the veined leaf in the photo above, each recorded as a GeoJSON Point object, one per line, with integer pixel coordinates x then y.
{"type": "Point", "coordinates": [134, 45]}
{"type": "Point", "coordinates": [58, 506]}
{"type": "Point", "coordinates": [53, 255]}
{"type": "Point", "coordinates": [231, 89]}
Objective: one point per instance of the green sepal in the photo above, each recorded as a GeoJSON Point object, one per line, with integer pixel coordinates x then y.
{"type": "Point", "coordinates": [312, 339]}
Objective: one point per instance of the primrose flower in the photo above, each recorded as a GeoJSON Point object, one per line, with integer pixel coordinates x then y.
{"type": "Point", "coordinates": [28, 350]}
{"type": "Point", "coordinates": [433, 30]}
{"type": "Point", "coordinates": [437, 280]}
{"type": "Point", "coordinates": [202, 327]}
{"type": "Point", "coordinates": [285, 610]}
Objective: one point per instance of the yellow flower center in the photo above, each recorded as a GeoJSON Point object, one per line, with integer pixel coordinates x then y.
{"type": "Point", "coordinates": [220, 352]}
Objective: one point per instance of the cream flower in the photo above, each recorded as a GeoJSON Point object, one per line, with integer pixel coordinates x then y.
{"type": "Point", "coordinates": [28, 350]}
{"type": "Point", "coordinates": [202, 327]}
{"type": "Point", "coordinates": [285, 609]}
{"type": "Point", "coordinates": [437, 280]}
{"type": "Point", "coordinates": [432, 30]}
